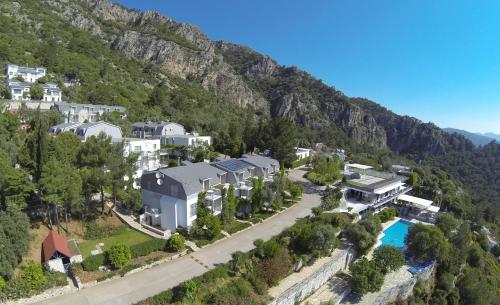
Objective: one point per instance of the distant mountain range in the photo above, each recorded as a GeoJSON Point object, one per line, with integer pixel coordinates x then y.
{"type": "Point", "coordinates": [492, 135]}
{"type": "Point", "coordinates": [476, 138]}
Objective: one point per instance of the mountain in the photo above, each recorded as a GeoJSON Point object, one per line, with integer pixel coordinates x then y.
{"type": "Point", "coordinates": [476, 138]}
{"type": "Point", "coordinates": [161, 69]}
{"type": "Point", "coordinates": [492, 135]}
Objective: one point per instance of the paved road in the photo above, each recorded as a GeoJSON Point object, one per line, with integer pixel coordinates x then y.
{"type": "Point", "coordinates": [141, 285]}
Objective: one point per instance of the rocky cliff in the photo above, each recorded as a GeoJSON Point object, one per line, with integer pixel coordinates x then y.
{"type": "Point", "coordinates": [242, 76]}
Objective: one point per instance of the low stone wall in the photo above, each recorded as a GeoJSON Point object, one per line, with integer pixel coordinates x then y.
{"type": "Point", "coordinates": [306, 287]}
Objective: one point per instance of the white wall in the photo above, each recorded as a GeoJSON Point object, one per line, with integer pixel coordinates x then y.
{"type": "Point", "coordinates": [175, 212]}
{"type": "Point", "coordinates": [55, 265]}
{"type": "Point", "coordinates": [148, 149]}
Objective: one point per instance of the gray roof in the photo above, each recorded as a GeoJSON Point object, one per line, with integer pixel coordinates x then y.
{"type": "Point", "coordinates": [191, 176]}
{"type": "Point", "coordinates": [260, 161]}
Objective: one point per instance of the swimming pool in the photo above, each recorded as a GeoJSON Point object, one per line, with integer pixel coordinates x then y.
{"type": "Point", "coordinates": [395, 234]}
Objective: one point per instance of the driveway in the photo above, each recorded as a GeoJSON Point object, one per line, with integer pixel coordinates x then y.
{"type": "Point", "coordinates": [141, 285]}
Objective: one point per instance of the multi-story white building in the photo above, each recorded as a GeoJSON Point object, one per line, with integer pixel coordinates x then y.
{"type": "Point", "coordinates": [21, 91]}
{"type": "Point", "coordinates": [149, 130]}
{"type": "Point", "coordinates": [302, 153]}
{"type": "Point", "coordinates": [192, 139]}
{"type": "Point", "coordinates": [29, 75]}
{"type": "Point", "coordinates": [170, 195]}
{"type": "Point", "coordinates": [74, 112]}
{"type": "Point", "coordinates": [169, 133]}
{"type": "Point", "coordinates": [149, 154]}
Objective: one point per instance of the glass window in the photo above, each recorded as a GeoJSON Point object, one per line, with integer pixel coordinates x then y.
{"type": "Point", "coordinates": [193, 209]}
{"type": "Point", "coordinates": [137, 148]}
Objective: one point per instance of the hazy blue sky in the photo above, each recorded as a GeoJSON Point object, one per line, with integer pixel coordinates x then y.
{"type": "Point", "coordinates": [436, 60]}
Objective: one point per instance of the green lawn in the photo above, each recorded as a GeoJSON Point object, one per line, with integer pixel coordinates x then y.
{"type": "Point", "coordinates": [126, 236]}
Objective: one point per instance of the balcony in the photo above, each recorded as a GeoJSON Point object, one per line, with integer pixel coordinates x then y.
{"type": "Point", "coordinates": [213, 200]}
{"type": "Point", "coordinates": [245, 189]}
{"type": "Point", "coordinates": [383, 199]}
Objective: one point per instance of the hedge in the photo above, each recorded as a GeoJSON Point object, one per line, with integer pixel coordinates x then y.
{"type": "Point", "coordinates": [93, 262]}
{"type": "Point", "coordinates": [147, 247]}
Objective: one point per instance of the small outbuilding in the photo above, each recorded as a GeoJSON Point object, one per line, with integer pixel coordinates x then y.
{"type": "Point", "coordinates": [59, 254]}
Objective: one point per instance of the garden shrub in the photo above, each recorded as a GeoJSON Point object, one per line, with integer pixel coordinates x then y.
{"type": "Point", "coordinates": [33, 274]}
{"type": "Point", "coordinates": [388, 259]}
{"type": "Point", "coordinates": [93, 230]}
{"type": "Point", "coordinates": [93, 262]}
{"type": "Point", "coordinates": [186, 290]}
{"type": "Point", "coordinates": [272, 269]}
{"type": "Point", "coordinates": [147, 247]}
{"type": "Point", "coordinates": [387, 214]}
{"type": "Point", "coordinates": [366, 277]}
{"type": "Point", "coordinates": [119, 255]}
{"type": "Point", "coordinates": [175, 243]}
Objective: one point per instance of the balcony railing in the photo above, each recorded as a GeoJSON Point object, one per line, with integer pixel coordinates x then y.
{"type": "Point", "coordinates": [382, 200]}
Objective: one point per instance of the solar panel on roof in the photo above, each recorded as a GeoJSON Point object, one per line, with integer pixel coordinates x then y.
{"type": "Point", "coordinates": [233, 165]}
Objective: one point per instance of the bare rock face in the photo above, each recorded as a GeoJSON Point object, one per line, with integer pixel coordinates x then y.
{"type": "Point", "coordinates": [245, 77]}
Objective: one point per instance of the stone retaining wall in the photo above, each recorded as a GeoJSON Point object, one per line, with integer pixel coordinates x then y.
{"type": "Point", "coordinates": [404, 290]}
{"type": "Point", "coordinates": [307, 286]}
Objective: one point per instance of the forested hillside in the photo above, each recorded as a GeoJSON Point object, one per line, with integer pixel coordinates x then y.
{"type": "Point", "coordinates": [161, 69]}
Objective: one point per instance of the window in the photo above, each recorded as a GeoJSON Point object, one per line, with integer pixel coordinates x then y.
{"type": "Point", "coordinates": [192, 209]}
{"type": "Point", "coordinates": [137, 148]}
{"type": "Point", "coordinates": [154, 146]}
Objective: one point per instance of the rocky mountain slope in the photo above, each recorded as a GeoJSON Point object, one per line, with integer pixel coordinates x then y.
{"type": "Point", "coordinates": [161, 69]}
{"type": "Point", "coordinates": [242, 76]}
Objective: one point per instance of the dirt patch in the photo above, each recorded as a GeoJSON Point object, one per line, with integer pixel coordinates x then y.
{"type": "Point", "coordinates": [87, 276]}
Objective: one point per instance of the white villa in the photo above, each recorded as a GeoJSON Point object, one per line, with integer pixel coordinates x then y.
{"type": "Point", "coordinates": [170, 195]}
{"type": "Point", "coordinates": [149, 155]}
{"type": "Point", "coordinates": [20, 89]}
{"type": "Point", "coordinates": [30, 75]}
{"type": "Point", "coordinates": [149, 130]}
{"type": "Point", "coordinates": [302, 153]}
{"type": "Point", "coordinates": [169, 133]}
{"type": "Point", "coordinates": [80, 113]}
{"type": "Point", "coordinates": [192, 139]}
{"type": "Point", "coordinates": [370, 190]}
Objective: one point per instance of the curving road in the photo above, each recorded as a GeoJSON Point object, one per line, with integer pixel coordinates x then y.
{"type": "Point", "coordinates": [141, 285]}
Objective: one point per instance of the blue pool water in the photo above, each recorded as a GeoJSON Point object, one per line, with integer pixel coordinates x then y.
{"type": "Point", "coordinates": [395, 234]}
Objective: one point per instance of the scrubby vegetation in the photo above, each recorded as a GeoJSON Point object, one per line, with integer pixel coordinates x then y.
{"type": "Point", "coordinates": [247, 277]}
{"type": "Point", "coordinates": [325, 170]}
